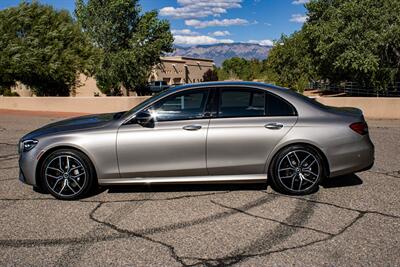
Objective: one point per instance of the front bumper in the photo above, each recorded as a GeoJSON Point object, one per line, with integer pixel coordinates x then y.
{"type": "Point", "coordinates": [27, 167]}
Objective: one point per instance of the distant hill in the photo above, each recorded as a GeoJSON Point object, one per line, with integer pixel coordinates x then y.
{"type": "Point", "coordinates": [220, 52]}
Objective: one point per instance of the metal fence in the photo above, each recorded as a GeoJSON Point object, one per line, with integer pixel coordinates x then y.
{"type": "Point", "coordinates": [355, 89]}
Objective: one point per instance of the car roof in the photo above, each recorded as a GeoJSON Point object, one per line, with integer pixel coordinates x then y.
{"type": "Point", "coordinates": [226, 83]}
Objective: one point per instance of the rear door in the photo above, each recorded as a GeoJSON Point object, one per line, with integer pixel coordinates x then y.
{"type": "Point", "coordinates": [247, 123]}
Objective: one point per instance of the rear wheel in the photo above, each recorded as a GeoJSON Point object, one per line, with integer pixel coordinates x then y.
{"type": "Point", "coordinates": [297, 170]}
{"type": "Point", "coordinates": [67, 174]}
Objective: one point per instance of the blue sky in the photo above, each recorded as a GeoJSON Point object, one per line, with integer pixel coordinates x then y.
{"type": "Point", "coordinates": [218, 21]}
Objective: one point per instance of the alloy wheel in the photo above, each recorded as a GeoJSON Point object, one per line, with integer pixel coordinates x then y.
{"type": "Point", "coordinates": [66, 176]}
{"type": "Point", "coordinates": [299, 170]}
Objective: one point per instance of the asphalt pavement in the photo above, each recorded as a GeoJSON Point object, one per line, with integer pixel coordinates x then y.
{"type": "Point", "coordinates": [351, 221]}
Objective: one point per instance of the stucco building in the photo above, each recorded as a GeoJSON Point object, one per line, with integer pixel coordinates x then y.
{"type": "Point", "coordinates": [181, 70]}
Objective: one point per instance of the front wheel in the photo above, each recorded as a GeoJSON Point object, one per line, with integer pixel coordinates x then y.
{"type": "Point", "coordinates": [67, 174]}
{"type": "Point", "coordinates": [297, 170]}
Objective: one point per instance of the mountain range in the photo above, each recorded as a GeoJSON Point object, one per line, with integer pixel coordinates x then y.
{"type": "Point", "coordinates": [221, 52]}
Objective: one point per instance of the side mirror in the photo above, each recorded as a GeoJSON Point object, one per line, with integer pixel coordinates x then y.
{"type": "Point", "coordinates": [145, 119]}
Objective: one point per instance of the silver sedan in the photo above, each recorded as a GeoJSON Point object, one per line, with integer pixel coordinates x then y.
{"type": "Point", "coordinates": [223, 132]}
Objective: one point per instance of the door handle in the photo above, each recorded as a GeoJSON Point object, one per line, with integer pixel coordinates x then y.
{"type": "Point", "coordinates": [192, 127]}
{"type": "Point", "coordinates": [274, 126]}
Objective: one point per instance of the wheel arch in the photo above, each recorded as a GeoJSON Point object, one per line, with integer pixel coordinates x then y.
{"type": "Point", "coordinates": [325, 161]}
{"type": "Point", "coordinates": [43, 156]}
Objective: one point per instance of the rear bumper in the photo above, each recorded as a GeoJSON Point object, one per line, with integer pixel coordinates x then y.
{"type": "Point", "coordinates": [353, 158]}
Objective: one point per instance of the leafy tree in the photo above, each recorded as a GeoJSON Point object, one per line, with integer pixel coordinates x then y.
{"type": "Point", "coordinates": [289, 63]}
{"type": "Point", "coordinates": [131, 43]}
{"type": "Point", "coordinates": [357, 40]}
{"type": "Point", "coordinates": [210, 75]}
{"type": "Point", "coordinates": [42, 48]}
{"type": "Point", "coordinates": [236, 68]}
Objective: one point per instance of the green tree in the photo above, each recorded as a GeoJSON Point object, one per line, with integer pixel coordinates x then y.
{"type": "Point", "coordinates": [210, 75]}
{"type": "Point", "coordinates": [289, 63]}
{"type": "Point", "coordinates": [42, 48]}
{"type": "Point", "coordinates": [131, 43]}
{"type": "Point", "coordinates": [236, 68]}
{"type": "Point", "coordinates": [357, 40]}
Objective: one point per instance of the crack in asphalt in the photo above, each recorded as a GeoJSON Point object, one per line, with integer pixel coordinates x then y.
{"type": "Point", "coordinates": [8, 157]}
{"type": "Point", "coordinates": [203, 220]}
{"type": "Point", "coordinates": [7, 168]}
{"type": "Point", "coordinates": [228, 260]}
{"type": "Point", "coordinates": [8, 144]}
{"type": "Point", "coordinates": [124, 233]}
{"type": "Point", "coordinates": [240, 258]}
{"type": "Point", "coordinates": [121, 201]}
{"type": "Point", "coordinates": [336, 206]}
{"type": "Point", "coordinates": [137, 235]}
{"type": "Point", "coordinates": [261, 246]}
{"type": "Point", "coordinates": [156, 199]}
{"type": "Point", "coordinates": [393, 174]}
{"type": "Point", "coordinates": [8, 179]}
{"type": "Point", "coordinates": [271, 219]}
{"type": "Point", "coordinates": [82, 240]}
{"type": "Point", "coordinates": [78, 250]}
{"type": "Point", "coordinates": [269, 239]}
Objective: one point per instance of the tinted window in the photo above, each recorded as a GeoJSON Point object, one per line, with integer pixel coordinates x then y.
{"type": "Point", "coordinates": [276, 106]}
{"type": "Point", "coordinates": [181, 106]}
{"type": "Point", "coordinates": [241, 103]}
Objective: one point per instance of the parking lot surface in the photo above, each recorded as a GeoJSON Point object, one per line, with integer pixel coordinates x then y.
{"type": "Point", "coordinates": [351, 220]}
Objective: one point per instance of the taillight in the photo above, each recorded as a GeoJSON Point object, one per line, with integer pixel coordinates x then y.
{"type": "Point", "coordinates": [360, 127]}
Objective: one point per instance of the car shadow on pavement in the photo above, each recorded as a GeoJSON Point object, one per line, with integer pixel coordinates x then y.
{"type": "Point", "coordinates": [185, 187]}
{"type": "Point", "coordinates": [342, 181]}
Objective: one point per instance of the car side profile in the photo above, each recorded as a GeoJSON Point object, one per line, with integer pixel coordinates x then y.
{"type": "Point", "coordinates": [220, 132]}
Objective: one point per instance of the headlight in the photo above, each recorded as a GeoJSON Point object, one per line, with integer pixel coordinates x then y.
{"type": "Point", "coordinates": [27, 145]}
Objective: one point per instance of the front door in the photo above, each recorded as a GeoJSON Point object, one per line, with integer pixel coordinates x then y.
{"type": "Point", "coordinates": [175, 146]}
{"type": "Point", "coordinates": [248, 125]}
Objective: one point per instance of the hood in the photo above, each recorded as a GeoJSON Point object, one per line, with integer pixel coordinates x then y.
{"type": "Point", "coordinates": [74, 124]}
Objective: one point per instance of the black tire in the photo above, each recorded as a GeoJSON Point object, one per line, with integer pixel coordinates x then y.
{"type": "Point", "coordinates": [288, 177]}
{"type": "Point", "coordinates": [80, 177]}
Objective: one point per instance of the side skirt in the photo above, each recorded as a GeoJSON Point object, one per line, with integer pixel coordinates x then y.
{"type": "Point", "coordinates": [250, 178]}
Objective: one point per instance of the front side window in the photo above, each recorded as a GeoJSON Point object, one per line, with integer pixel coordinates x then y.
{"type": "Point", "coordinates": [181, 106]}
{"type": "Point", "coordinates": [241, 103]}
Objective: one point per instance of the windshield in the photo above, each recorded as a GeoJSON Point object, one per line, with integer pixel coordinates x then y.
{"type": "Point", "coordinates": [144, 103]}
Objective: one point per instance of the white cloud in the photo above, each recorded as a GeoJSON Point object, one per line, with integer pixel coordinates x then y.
{"type": "Point", "coordinates": [199, 8]}
{"type": "Point", "coordinates": [198, 40]}
{"type": "Point", "coordinates": [184, 32]}
{"type": "Point", "coordinates": [212, 23]}
{"type": "Point", "coordinates": [220, 33]}
{"type": "Point", "coordinates": [298, 18]}
{"type": "Point", "coordinates": [262, 42]}
{"type": "Point", "coordinates": [300, 2]}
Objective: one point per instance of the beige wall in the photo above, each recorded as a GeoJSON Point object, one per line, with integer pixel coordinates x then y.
{"type": "Point", "coordinates": [86, 87]}
{"type": "Point", "coordinates": [373, 108]}
{"type": "Point", "coordinates": [71, 104]}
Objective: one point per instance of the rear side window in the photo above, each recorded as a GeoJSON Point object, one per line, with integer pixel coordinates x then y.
{"type": "Point", "coordinates": [241, 103]}
{"type": "Point", "coordinates": [276, 106]}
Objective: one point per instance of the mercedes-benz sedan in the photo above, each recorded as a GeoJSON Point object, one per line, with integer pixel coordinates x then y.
{"type": "Point", "coordinates": [223, 132]}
